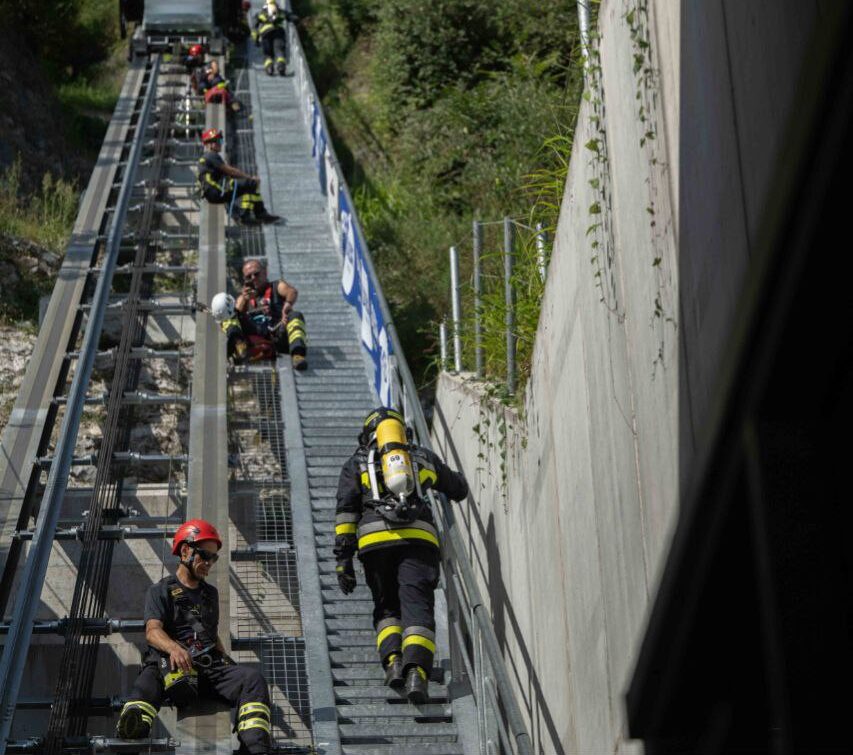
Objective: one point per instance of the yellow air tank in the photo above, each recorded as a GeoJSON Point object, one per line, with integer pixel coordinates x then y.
{"type": "Point", "coordinates": [396, 462]}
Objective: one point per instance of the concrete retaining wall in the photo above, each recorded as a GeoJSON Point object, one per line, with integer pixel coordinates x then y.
{"type": "Point", "coordinates": [567, 543]}
{"type": "Point", "coordinates": [572, 508]}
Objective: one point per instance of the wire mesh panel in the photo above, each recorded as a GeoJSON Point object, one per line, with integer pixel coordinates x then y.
{"type": "Point", "coordinates": [266, 621]}
{"type": "Point", "coordinates": [282, 662]}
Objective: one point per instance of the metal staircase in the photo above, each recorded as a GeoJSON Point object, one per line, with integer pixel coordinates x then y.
{"type": "Point", "coordinates": [323, 410]}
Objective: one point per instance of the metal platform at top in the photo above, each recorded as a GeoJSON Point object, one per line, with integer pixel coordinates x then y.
{"type": "Point", "coordinates": [353, 712]}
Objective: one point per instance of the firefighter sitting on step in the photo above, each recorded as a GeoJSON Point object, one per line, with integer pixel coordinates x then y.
{"type": "Point", "coordinates": [216, 89]}
{"type": "Point", "coordinates": [270, 33]}
{"type": "Point", "coordinates": [221, 183]}
{"type": "Point", "coordinates": [383, 514]}
{"type": "Point", "coordinates": [194, 62]}
{"type": "Point", "coordinates": [262, 321]}
{"type": "Point", "coordinates": [185, 659]}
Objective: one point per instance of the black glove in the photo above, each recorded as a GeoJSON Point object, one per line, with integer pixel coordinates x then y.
{"type": "Point", "coordinates": [346, 576]}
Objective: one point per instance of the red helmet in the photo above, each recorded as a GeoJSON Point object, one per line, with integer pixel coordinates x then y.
{"type": "Point", "coordinates": [196, 51]}
{"type": "Point", "coordinates": [211, 135]}
{"type": "Point", "coordinates": [195, 531]}
{"type": "Point", "coordinates": [247, 5]}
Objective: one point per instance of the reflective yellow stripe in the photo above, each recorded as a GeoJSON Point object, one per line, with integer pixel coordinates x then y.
{"type": "Point", "coordinates": [175, 676]}
{"type": "Point", "coordinates": [253, 708]}
{"type": "Point", "coordinates": [147, 707]}
{"type": "Point", "coordinates": [295, 323]}
{"type": "Point", "coordinates": [389, 536]}
{"type": "Point", "coordinates": [383, 634]}
{"type": "Point", "coordinates": [346, 529]}
{"type": "Point", "coordinates": [427, 474]}
{"type": "Point", "coordinates": [209, 179]}
{"type": "Point", "coordinates": [416, 639]}
{"type": "Point", "coordinates": [254, 723]}
{"type": "Point", "coordinates": [365, 479]}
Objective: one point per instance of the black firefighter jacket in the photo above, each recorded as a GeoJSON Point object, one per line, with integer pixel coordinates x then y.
{"type": "Point", "coordinates": [359, 528]}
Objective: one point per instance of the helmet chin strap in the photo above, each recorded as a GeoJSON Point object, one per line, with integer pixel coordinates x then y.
{"type": "Point", "coordinates": [189, 565]}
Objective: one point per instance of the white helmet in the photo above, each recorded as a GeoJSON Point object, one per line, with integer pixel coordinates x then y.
{"type": "Point", "coordinates": [222, 307]}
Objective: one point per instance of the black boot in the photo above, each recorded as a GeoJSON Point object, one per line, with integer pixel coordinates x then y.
{"type": "Point", "coordinates": [416, 685]}
{"type": "Point", "coordinates": [394, 673]}
{"type": "Point", "coordinates": [132, 724]}
{"type": "Point", "coordinates": [267, 217]}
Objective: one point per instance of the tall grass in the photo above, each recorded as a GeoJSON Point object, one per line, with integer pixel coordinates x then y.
{"type": "Point", "coordinates": [46, 217]}
{"type": "Point", "coordinates": [543, 191]}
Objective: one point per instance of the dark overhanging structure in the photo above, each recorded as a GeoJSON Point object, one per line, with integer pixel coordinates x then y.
{"type": "Point", "coordinates": [748, 647]}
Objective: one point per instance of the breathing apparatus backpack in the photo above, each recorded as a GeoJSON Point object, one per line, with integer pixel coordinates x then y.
{"type": "Point", "coordinates": [389, 439]}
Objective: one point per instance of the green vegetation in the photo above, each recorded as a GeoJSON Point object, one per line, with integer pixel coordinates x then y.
{"type": "Point", "coordinates": [46, 217]}
{"type": "Point", "coordinates": [77, 43]}
{"type": "Point", "coordinates": [441, 113]}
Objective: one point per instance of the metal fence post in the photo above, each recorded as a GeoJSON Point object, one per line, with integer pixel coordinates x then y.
{"type": "Point", "coordinates": [478, 291]}
{"type": "Point", "coordinates": [456, 308]}
{"type": "Point", "coordinates": [541, 238]}
{"type": "Point", "coordinates": [509, 299]}
{"type": "Point", "coordinates": [442, 340]}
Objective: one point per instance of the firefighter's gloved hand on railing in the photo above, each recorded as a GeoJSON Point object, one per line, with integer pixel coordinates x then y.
{"type": "Point", "coordinates": [346, 576]}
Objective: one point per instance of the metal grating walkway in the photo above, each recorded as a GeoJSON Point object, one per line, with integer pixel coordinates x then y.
{"type": "Point", "coordinates": [266, 621]}
{"type": "Point", "coordinates": [353, 712]}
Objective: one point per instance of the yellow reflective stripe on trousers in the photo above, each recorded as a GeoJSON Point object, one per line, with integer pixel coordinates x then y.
{"type": "Point", "coordinates": [383, 634]}
{"type": "Point", "coordinates": [416, 639]}
{"type": "Point", "coordinates": [390, 536]}
{"type": "Point", "coordinates": [147, 707]}
{"type": "Point", "coordinates": [346, 529]}
{"type": "Point", "coordinates": [254, 723]}
{"type": "Point", "coordinates": [253, 708]}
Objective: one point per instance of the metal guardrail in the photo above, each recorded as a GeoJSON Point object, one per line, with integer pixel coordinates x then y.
{"type": "Point", "coordinates": [508, 268]}
{"type": "Point", "coordinates": [475, 650]}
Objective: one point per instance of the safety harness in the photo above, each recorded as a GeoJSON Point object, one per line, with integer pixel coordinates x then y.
{"type": "Point", "coordinates": [182, 686]}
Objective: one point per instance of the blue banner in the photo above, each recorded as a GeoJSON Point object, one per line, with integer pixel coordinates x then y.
{"type": "Point", "coordinates": [318, 144]}
{"type": "Point", "coordinates": [361, 292]}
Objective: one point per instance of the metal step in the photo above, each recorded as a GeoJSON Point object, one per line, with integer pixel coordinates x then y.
{"type": "Point", "coordinates": [396, 733]}
{"type": "Point", "coordinates": [377, 712]}
{"type": "Point", "coordinates": [422, 748]}
{"type": "Point", "coordinates": [364, 693]}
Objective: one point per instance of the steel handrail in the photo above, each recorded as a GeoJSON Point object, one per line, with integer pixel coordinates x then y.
{"type": "Point", "coordinates": [414, 412]}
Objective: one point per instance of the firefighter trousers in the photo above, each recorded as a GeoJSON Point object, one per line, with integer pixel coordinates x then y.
{"type": "Point", "coordinates": [233, 683]}
{"type": "Point", "coordinates": [402, 580]}
{"type": "Point", "coordinates": [289, 338]}
{"type": "Point", "coordinates": [243, 192]}
{"type": "Point", "coordinates": [274, 47]}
